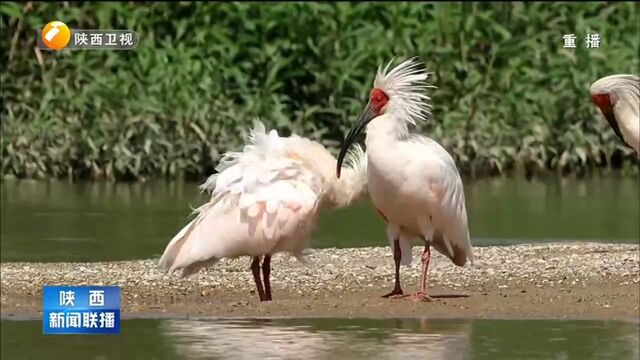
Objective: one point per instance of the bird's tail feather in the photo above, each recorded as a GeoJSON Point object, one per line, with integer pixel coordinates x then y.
{"type": "Point", "coordinates": [405, 250]}
{"type": "Point", "coordinates": [170, 254]}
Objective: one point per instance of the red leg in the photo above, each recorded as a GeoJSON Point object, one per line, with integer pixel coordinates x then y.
{"type": "Point", "coordinates": [255, 268]}
{"type": "Point", "coordinates": [397, 255]}
{"type": "Point", "coordinates": [266, 272]}
{"type": "Point", "coordinates": [426, 257]}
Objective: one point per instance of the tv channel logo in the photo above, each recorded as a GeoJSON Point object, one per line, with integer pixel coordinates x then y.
{"type": "Point", "coordinates": [81, 310]}
{"type": "Point", "coordinates": [56, 35]}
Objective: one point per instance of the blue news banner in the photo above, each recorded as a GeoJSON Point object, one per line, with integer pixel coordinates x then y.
{"type": "Point", "coordinates": [81, 310]}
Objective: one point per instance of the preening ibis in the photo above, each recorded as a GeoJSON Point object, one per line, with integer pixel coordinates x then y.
{"type": "Point", "coordinates": [618, 97]}
{"type": "Point", "coordinates": [412, 180]}
{"type": "Point", "coordinates": [265, 200]}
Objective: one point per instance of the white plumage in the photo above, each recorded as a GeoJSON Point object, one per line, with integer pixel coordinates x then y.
{"type": "Point", "coordinates": [264, 200]}
{"type": "Point", "coordinates": [618, 97]}
{"type": "Point", "coordinates": [416, 185]}
{"type": "Point", "coordinates": [413, 181]}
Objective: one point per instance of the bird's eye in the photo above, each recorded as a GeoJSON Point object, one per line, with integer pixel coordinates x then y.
{"type": "Point", "coordinates": [378, 98]}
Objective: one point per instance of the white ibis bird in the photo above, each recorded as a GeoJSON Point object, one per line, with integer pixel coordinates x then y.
{"type": "Point", "coordinates": [265, 200]}
{"type": "Point", "coordinates": [618, 97]}
{"type": "Point", "coordinates": [412, 180]}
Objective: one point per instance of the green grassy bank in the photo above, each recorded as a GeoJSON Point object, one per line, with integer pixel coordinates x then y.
{"type": "Point", "coordinates": [509, 97]}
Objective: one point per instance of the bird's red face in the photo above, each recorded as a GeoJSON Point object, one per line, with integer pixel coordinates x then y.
{"type": "Point", "coordinates": [378, 100]}
{"type": "Point", "coordinates": [604, 102]}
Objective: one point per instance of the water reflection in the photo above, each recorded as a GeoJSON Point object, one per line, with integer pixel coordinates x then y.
{"type": "Point", "coordinates": [208, 339]}
{"type": "Point", "coordinates": [321, 339]}
{"type": "Point", "coordinates": [403, 339]}
{"type": "Point", "coordinates": [335, 339]}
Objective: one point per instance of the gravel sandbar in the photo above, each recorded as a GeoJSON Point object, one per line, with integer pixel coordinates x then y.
{"type": "Point", "coordinates": [561, 280]}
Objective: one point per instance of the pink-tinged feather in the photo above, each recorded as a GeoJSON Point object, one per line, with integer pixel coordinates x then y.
{"type": "Point", "coordinates": [264, 200]}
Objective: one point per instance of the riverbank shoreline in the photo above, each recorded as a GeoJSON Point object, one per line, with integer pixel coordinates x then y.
{"type": "Point", "coordinates": [547, 281]}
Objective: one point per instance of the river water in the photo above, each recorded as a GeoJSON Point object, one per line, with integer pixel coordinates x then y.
{"type": "Point", "coordinates": [334, 339]}
{"type": "Point", "coordinates": [59, 221]}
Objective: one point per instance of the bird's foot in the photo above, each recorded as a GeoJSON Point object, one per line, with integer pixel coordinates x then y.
{"type": "Point", "coordinates": [395, 294]}
{"type": "Point", "coordinates": [421, 296]}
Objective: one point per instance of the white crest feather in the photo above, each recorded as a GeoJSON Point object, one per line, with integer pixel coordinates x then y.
{"type": "Point", "coordinates": [625, 84]}
{"type": "Point", "coordinates": [406, 86]}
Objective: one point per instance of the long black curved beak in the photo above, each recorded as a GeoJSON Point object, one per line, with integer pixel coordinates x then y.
{"type": "Point", "coordinates": [611, 119]}
{"type": "Point", "coordinates": [365, 117]}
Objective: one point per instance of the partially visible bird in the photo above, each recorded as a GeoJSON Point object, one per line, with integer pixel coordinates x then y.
{"type": "Point", "coordinates": [412, 180]}
{"type": "Point", "coordinates": [618, 97]}
{"type": "Point", "coordinates": [265, 200]}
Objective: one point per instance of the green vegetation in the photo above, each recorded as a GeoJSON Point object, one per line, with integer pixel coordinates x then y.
{"type": "Point", "coordinates": [510, 98]}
